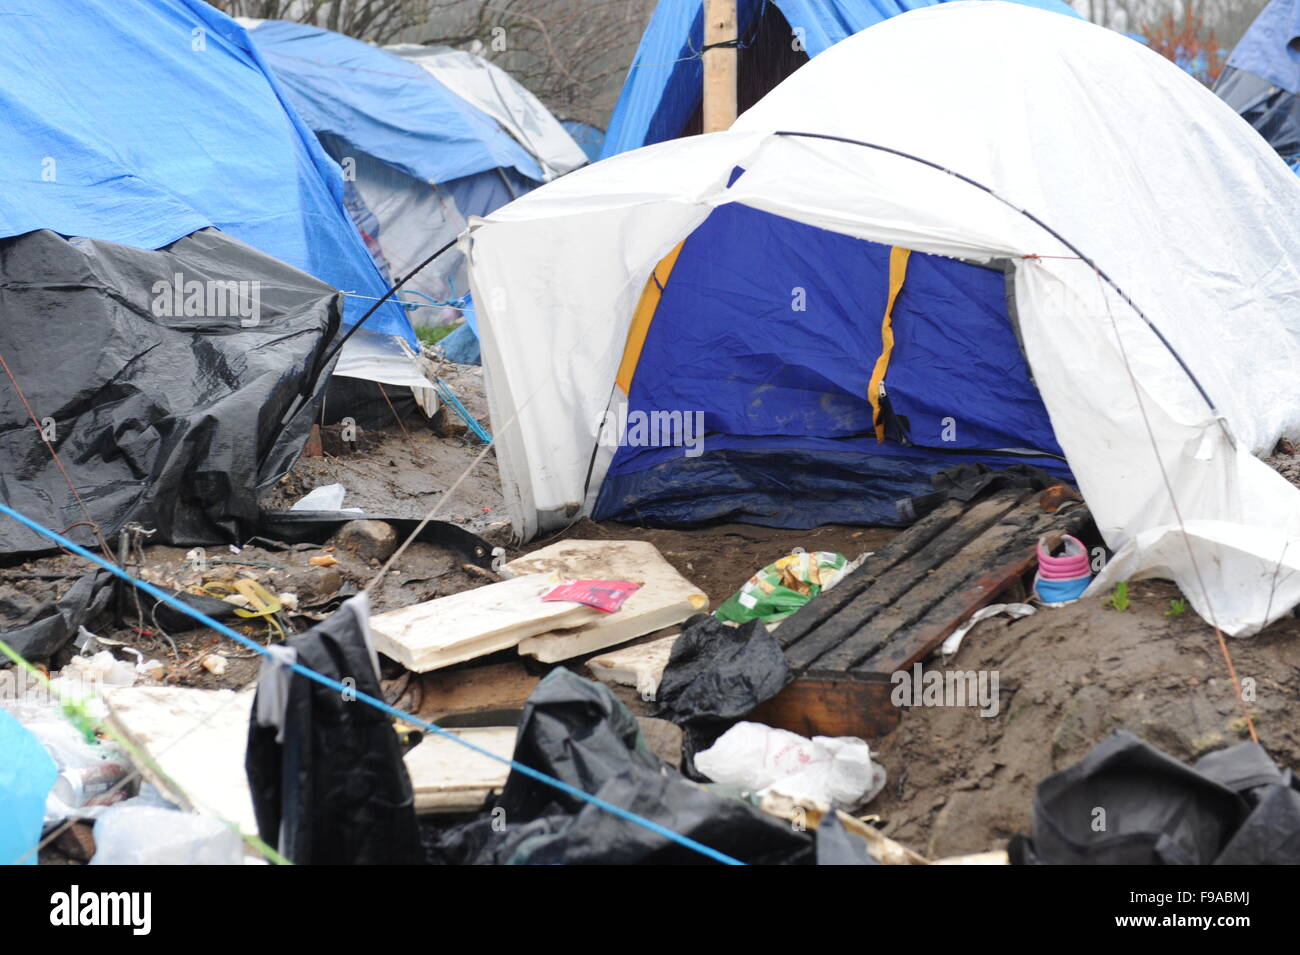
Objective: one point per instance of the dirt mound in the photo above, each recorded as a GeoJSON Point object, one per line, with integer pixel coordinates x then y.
{"type": "Point", "coordinates": [960, 782]}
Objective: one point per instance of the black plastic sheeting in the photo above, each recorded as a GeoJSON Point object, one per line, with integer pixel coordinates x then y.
{"type": "Point", "coordinates": [326, 774]}
{"type": "Point", "coordinates": [576, 731]}
{"type": "Point", "coordinates": [966, 482]}
{"type": "Point", "coordinates": [1273, 111]}
{"type": "Point", "coordinates": [837, 846]}
{"type": "Point", "coordinates": [174, 422]}
{"type": "Point", "coordinates": [296, 527]}
{"type": "Point", "coordinates": [715, 676]}
{"type": "Point", "coordinates": [39, 630]}
{"type": "Point", "coordinates": [1128, 803]}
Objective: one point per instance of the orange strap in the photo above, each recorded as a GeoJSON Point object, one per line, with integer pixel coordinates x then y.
{"type": "Point", "coordinates": [644, 314]}
{"type": "Point", "coordinates": [897, 273]}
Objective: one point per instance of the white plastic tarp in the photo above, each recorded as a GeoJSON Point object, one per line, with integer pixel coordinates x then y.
{"type": "Point", "coordinates": [496, 93]}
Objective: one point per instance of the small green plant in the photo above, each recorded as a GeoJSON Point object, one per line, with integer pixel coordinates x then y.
{"type": "Point", "coordinates": [432, 334]}
{"type": "Point", "coordinates": [1177, 607]}
{"type": "Point", "coordinates": [1119, 597]}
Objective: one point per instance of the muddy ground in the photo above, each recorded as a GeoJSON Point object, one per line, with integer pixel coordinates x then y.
{"type": "Point", "coordinates": [958, 782]}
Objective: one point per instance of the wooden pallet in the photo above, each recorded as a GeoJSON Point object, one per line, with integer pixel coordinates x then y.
{"type": "Point", "coordinates": [900, 605]}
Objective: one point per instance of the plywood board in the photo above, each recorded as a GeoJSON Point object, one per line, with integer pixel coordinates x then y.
{"type": "Point", "coordinates": [198, 739]}
{"type": "Point", "coordinates": [641, 666]}
{"type": "Point", "coordinates": [665, 599]}
{"type": "Point", "coordinates": [450, 777]}
{"type": "Point", "coordinates": [473, 623]}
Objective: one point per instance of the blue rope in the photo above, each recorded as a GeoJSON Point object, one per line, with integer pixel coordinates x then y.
{"type": "Point", "coordinates": [320, 678]}
{"type": "Point", "coordinates": [449, 396]}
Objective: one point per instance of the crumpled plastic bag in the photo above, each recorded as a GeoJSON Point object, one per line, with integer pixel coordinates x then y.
{"type": "Point", "coordinates": [780, 589]}
{"type": "Point", "coordinates": [150, 835]}
{"type": "Point", "coordinates": [836, 770]}
{"type": "Point", "coordinates": [26, 774]}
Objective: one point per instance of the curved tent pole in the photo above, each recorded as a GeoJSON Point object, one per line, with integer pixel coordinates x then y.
{"type": "Point", "coordinates": [1041, 224]}
{"type": "Point", "coordinates": [373, 308]}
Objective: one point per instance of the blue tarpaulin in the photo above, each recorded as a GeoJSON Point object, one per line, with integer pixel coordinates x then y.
{"type": "Point", "coordinates": [27, 774]}
{"type": "Point", "coordinates": [140, 123]}
{"type": "Point", "coordinates": [1270, 49]}
{"type": "Point", "coordinates": [590, 138]}
{"type": "Point", "coordinates": [1262, 78]}
{"type": "Point", "coordinates": [387, 106]}
{"type": "Point", "coordinates": [664, 84]}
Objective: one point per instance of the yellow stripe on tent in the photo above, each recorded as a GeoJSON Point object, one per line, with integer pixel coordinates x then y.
{"type": "Point", "coordinates": [897, 273]}
{"type": "Point", "coordinates": [644, 314]}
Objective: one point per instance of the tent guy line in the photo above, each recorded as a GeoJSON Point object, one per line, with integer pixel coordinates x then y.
{"type": "Point", "coordinates": [1187, 541]}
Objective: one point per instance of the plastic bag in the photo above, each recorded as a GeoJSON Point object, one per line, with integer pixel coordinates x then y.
{"type": "Point", "coordinates": [148, 835]}
{"type": "Point", "coordinates": [837, 770]}
{"type": "Point", "coordinates": [780, 589]}
{"type": "Point", "coordinates": [26, 774]}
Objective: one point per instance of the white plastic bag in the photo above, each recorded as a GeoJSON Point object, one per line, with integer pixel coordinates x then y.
{"type": "Point", "coordinates": [836, 770]}
{"type": "Point", "coordinates": [147, 835]}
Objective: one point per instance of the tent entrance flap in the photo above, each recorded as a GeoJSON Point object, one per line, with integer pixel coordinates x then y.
{"type": "Point", "coordinates": [771, 345]}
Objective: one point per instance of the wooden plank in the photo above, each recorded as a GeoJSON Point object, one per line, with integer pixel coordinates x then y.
{"type": "Point", "coordinates": [832, 704]}
{"type": "Point", "coordinates": [825, 605]}
{"type": "Point", "coordinates": [721, 65]}
{"type": "Point", "coordinates": [1025, 522]}
{"type": "Point", "coordinates": [899, 580]}
{"type": "Point", "coordinates": [914, 643]}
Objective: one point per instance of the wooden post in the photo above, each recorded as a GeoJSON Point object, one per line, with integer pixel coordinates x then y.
{"type": "Point", "coordinates": [719, 65]}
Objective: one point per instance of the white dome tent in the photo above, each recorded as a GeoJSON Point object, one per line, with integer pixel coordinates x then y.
{"type": "Point", "coordinates": [1165, 365]}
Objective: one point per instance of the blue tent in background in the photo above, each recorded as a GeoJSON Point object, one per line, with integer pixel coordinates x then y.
{"type": "Point", "coordinates": [427, 137]}
{"type": "Point", "coordinates": [387, 106]}
{"type": "Point", "coordinates": [1262, 78]}
{"type": "Point", "coordinates": [590, 138]}
{"type": "Point", "coordinates": [662, 93]}
{"type": "Point", "coordinates": [187, 130]}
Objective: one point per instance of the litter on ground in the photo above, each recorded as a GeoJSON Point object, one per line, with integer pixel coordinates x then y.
{"type": "Point", "coordinates": [691, 432]}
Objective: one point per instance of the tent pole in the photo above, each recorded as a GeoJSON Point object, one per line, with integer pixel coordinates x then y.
{"type": "Point", "coordinates": [720, 56]}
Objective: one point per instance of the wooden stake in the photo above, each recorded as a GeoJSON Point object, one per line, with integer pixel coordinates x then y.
{"type": "Point", "coordinates": [719, 65]}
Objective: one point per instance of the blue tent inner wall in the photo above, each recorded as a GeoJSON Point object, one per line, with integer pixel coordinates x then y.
{"type": "Point", "coordinates": [789, 438]}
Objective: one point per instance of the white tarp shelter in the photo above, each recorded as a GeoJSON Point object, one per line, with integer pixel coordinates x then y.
{"type": "Point", "coordinates": [1141, 169]}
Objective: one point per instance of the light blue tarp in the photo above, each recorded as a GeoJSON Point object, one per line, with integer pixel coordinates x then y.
{"type": "Point", "coordinates": [27, 774]}
{"type": "Point", "coordinates": [386, 106]}
{"type": "Point", "coordinates": [142, 122]}
{"type": "Point", "coordinates": [1269, 47]}
{"type": "Point", "coordinates": [590, 138]}
{"type": "Point", "coordinates": [664, 84]}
